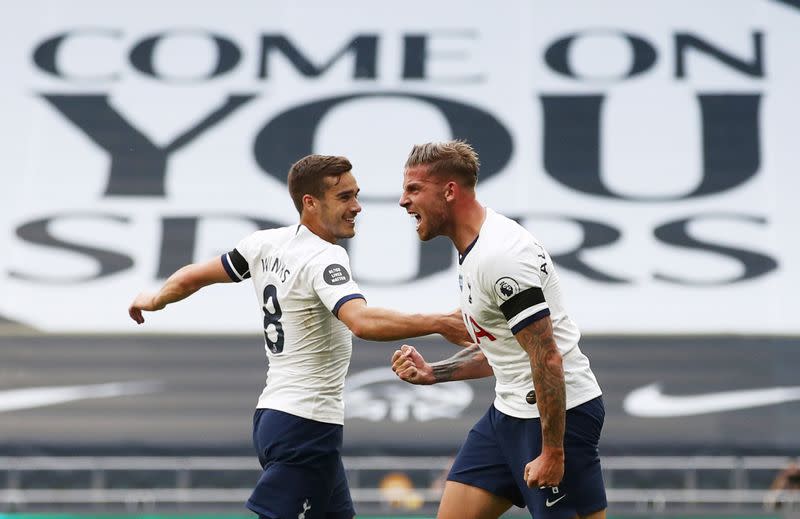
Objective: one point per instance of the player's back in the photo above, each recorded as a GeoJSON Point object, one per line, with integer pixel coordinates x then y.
{"type": "Point", "coordinates": [300, 281]}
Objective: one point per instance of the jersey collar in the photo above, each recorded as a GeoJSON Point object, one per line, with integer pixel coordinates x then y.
{"type": "Point", "coordinates": [461, 257]}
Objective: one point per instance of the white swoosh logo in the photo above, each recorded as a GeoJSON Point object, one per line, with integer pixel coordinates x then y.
{"type": "Point", "coordinates": [16, 399]}
{"type": "Point", "coordinates": [649, 401]}
{"type": "Point", "coordinates": [549, 503]}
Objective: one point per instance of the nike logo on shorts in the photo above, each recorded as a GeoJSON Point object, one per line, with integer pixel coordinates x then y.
{"type": "Point", "coordinates": [549, 503]}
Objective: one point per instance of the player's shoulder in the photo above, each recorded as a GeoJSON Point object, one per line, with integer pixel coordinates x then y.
{"type": "Point", "coordinates": [319, 250]}
{"type": "Point", "coordinates": [328, 260]}
{"type": "Point", "coordinates": [269, 235]}
{"type": "Point", "coordinates": [331, 253]}
{"type": "Point", "coordinates": [261, 241]}
{"type": "Point", "coordinates": [503, 237]}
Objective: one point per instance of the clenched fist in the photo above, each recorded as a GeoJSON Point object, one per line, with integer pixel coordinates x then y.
{"type": "Point", "coordinates": [409, 365]}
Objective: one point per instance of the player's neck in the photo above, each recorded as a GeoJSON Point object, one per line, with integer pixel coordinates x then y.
{"type": "Point", "coordinates": [468, 219]}
{"type": "Point", "coordinates": [317, 229]}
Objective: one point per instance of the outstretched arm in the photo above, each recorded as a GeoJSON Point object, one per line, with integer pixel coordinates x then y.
{"type": "Point", "coordinates": [467, 364]}
{"type": "Point", "coordinates": [548, 382]}
{"type": "Point", "coordinates": [180, 285]}
{"type": "Point", "coordinates": [380, 324]}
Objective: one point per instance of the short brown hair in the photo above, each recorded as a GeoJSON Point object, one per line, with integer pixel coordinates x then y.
{"type": "Point", "coordinates": [455, 157]}
{"type": "Point", "coordinates": [307, 176]}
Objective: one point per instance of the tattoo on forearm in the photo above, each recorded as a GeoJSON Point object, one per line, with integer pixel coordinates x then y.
{"type": "Point", "coordinates": [548, 379]}
{"type": "Point", "coordinates": [447, 370]}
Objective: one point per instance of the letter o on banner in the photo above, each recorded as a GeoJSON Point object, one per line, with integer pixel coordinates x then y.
{"type": "Point", "coordinates": [143, 54]}
{"type": "Point", "coordinates": [557, 55]}
{"type": "Point", "coordinates": [290, 135]}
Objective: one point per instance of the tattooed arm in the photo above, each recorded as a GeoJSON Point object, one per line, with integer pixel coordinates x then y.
{"type": "Point", "coordinates": [548, 382]}
{"type": "Point", "coordinates": [467, 364]}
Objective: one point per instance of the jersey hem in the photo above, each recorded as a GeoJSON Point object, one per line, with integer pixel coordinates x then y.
{"type": "Point", "coordinates": [300, 414]}
{"type": "Point", "coordinates": [582, 398]}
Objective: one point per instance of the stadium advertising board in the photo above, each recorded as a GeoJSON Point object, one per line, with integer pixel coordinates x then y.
{"type": "Point", "coordinates": [651, 148]}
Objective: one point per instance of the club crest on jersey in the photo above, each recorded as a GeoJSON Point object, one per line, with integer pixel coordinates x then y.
{"type": "Point", "coordinates": [506, 288]}
{"type": "Point", "coordinates": [336, 274]}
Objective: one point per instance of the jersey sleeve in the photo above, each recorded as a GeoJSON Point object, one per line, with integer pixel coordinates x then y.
{"type": "Point", "coordinates": [237, 262]}
{"type": "Point", "coordinates": [332, 280]}
{"type": "Point", "coordinates": [514, 282]}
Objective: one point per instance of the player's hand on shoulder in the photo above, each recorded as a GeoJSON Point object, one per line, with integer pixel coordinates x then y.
{"type": "Point", "coordinates": [144, 301]}
{"type": "Point", "coordinates": [454, 330]}
{"type": "Point", "coordinates": [409, 365]}
{"type": "Point", "coordinates": [547, 470]}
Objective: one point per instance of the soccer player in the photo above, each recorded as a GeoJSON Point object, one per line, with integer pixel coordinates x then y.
{"type": "Point", "coordinates": [537, 445]}
{"type": "Point", "coordinates": [310, 304]}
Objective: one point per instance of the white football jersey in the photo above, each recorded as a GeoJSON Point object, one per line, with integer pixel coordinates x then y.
{"type": "Point", "coordinates": [508, 281]}
{"type": "Point", "coordinates": [301, 281]}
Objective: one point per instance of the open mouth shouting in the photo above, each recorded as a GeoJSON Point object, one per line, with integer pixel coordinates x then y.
{"type": "Point", "coordinates": [417, 219]}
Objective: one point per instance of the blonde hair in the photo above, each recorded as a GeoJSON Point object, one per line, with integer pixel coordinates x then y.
{"type": "Point", "coordinates": [456, 158]}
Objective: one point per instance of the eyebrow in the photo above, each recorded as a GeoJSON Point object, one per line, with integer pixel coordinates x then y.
{"type": "Point", "coordinates": [348, 192]}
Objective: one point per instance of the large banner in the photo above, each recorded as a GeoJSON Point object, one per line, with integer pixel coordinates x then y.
{"type": "Point", "coordinates": [652, 148]}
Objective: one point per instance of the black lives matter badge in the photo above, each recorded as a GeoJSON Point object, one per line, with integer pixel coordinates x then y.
{"type": "Point", "coordinates": [336, 274]}
{"type": "Point", "coordinates": [506, 288]}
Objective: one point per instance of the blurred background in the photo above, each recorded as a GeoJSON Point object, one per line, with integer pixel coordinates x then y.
{"type": "Point", "coordinates": [652, 147]}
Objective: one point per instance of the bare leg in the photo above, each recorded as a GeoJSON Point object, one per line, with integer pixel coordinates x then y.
{"type": "Point", "coordinates": [461, 501]}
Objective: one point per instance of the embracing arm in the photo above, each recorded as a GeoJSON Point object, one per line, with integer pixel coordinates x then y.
{"type": "Point", "coordinates": [180, 285]}
{"type": "Point", "coordinates": [380, 324]}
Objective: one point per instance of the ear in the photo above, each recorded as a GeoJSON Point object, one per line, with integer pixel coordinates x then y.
{"type": "Point", "coordinates": [309, 202]}
{"type": "Point", "coordinates": [450, 191]}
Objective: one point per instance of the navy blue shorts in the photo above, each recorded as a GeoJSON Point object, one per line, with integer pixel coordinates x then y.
{"type": "Point", "coordinates": [303, 472]}
{"type": "Point", "coordinates": [497, 449]}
